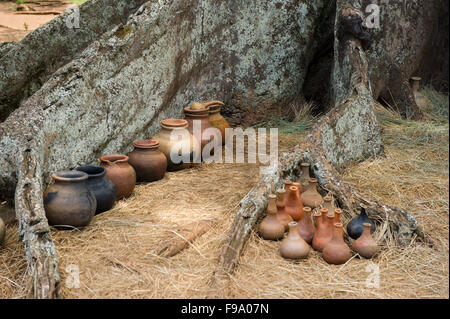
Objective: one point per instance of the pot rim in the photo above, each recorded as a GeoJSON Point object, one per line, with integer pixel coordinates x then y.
{"type": "Point", "coordinates": [114, 158]}
{"type": "Point", "coordinates": [205, 111]}
{"type": "Point", "coordinates": [305, 164]}
{"type": "Point", "coordinates": [416, 78]}
{"type": "Point", "coordinates": [87, 168]}
{"type": "Point", "coordinates": [146, 144]}
{"type": "Point", "coordinates": [173, 123]}
{"type": "Point", "coordinates": [69, 176]}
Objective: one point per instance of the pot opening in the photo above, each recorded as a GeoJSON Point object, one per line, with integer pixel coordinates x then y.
{"type": "Point", "coordinates": [174, 123]}
{"type": "Point", "coordinates": [146, 144]}
{"type": "Point", "coordinates": [114, 159]}
{"type": "Point", "coordinates": [92, 171]}
{"type": "Point", "coordinates": [70, 176]}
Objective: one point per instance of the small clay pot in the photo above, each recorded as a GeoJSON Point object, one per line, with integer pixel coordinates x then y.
{"type": "Point", "coordinates": [282, 216]}
{"type": "Point", "coordinates": [293, 205]}
{"type": "Point", "coordinates": [199, 118]}
{"type": "Point", "coordinates": [121, 173]}
{"type": "Point", "coordinates": [69, 202]}
{"type": "Point", "coordinates": [185, 147]}
{"type": "Point", "coordinates": [294, 246]}
{"type": "Point", "coordinates": [304, 177]}
{"type": "Point", "coordinates": [324, 231]}
{"type": "Point", "coordinates": [148, 161]}
{"type": "Point", "coordinates": [311, 196]}
{"type": "Point", "coordinates": [271, 228]}
{"type": "Point", "coordinates": [355, 226]}
{"type": "Point", "coordinates": [365, 245]}
{"type": "Point", "coordinates": [103, 189]}
{"type": "Point", "coordinates": [336, 251]}
{"type": "Point", "coordinates": [2, 232]}
{"type": "Point", "coordinates": [216, 119]}
{"type": "Point", "coordinates": [305, 226]}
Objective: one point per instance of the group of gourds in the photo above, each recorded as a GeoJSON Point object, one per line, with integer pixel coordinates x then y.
{"type": "Point", "coordinates": [290, 211]}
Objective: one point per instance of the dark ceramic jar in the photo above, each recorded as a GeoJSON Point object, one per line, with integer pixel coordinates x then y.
{"type": "Point", "coordinates": [121, 173]}
{"type": "Point", "coordinates": [69, 202]}
{"type": "Point", "coordinates": [102, 188]}
{"type": "Point", "coordinates": [356, 226]}
{"type": "Point", "coordinates": [148, 161]}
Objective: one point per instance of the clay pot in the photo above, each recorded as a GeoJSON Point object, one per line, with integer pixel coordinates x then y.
{"type": "Point", "coordinates": [121, 173]}
{"type": "Point", "coordinates": [282, 216]}
{"type": "Point", "coordinates": [216, 119]}
{"type": "Point", "coordinates": [420, 99]}
{"type": "Point", "coordinates": [185, 141]}
{"type": "Point", "coordinates": [69, 202]}
{"type": "Point", "coordinates": [324, 230]}
{"type": "Point", "coordinates": [148, 161]}
{"type": "Point", "coordinates": [305, 226]}
{"type": "Point", "coordinates": [293, 205]}
{"type": "Point", "coordinates": [311, 196]}
{"type": "Point", "coordinates": [304, 177]}
{"type": "Point", "coordinates": [365, 245]}
{"type": "Point", "coordinates": [103, 189]}
{"type": "Point", "coordinates": [293, 246]}
{"type": "Point", "coordinates": [355, 226]}
{"type": "Point", "coordinates": [2, 232]}
{"type": "Point", "coordinates": [199, 118]}
{"type": "Point", "coordinates": [336, 251]}
{"type": "Point", "coordinates": [271, 228]}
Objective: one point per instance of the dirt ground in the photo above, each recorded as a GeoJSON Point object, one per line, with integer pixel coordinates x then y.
{"type": "Point", "coordinates": [15, 25]}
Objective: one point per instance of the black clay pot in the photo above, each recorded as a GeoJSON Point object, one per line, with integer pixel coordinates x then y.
{"type": "Point", "coordinates": [356, 226]}
{"type": "Point", "coordinates": [102, 188]}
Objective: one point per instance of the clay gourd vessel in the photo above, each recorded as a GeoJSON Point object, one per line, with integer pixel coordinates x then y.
{"type": "Point", "coordinates": [293, 205]}
{"type": "Point", "coordinates": [148, 161]}
{"type": "Point", "coordinates": [271, 228]}
{"type": "Point", "coordinates": [2, 232]}
{"type": "Point", "coordinates": [282, 216]}
{"type": "Point", "coordinates": [336, 251]}
{"type": "Point", "coordinates": [186, 149]}
{"type": "Point", "coordinates": [420, 99]}
{"type": "Point", "coordinates": [216, 119]}
{"type": "Point", "coordinates": [324, 230]}
{"type": "Point", "coordinates": [365, 245]}
{"type": "Point", "coordinates": [69, 202]}
{"type": "Point", "coordinates": [197, 125]}
{"type": "Point", "coordinates": [305, 226]}
{"type": "Point", "coordinates": [328, 203]}
{"type": "Point", "coordinates": [304, 177]}
{"type": "Point", "coordinates": [294, 246]}
{"type": "Point", "coordinates": [121, 173]}
{"type": "Point", "coordinates": [355, 226]}
{"type": "Point", "coordinates": [311, 196]}
{"type": "Point", "coordinates": [102, 188]}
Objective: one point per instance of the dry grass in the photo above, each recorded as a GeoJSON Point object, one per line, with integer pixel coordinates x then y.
{"type": "Point", "coordinates": [117, 256]}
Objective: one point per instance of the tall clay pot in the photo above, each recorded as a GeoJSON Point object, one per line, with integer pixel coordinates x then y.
{"type": "Point", "coordinates": [305, 226]}
{"type": "Point", "coordinates": [311, 196]}
{"type": "Point", "coordinates": [69, 202]}
{"type": "Point", "coordinates": [293, 205]}
{"type": "Point", "coordinates": [293, 246]}
{"type": "Point", "coordinates": [121, 173]}
{"type": "Point", "coordinates": [185, 146]}
{"type": "Point", "coordinates": [282, 216]}
{"type": "Point", "coordinates": [271, 228]}
{"type": "Point", "coordinates": [304, 177]}
{"type": "Point", "coordinates": [216, 119]}
{"type": "Point", "coordinates": [103, 189]}
{"type": "Point", "coordinates": [324, 231]}
{"type": "Point", "coordinates": [355, 226]}
{"type": "Point", "coordinates": [148, 161]}
{"type": "Point", "coordinates": [365, 245]}
{"type": "Point", "coordinates": [2, 232]}
{"type": "Point", "coordinates": [336, 251]}
{"type": "Point", "coordinates": [199, 118]}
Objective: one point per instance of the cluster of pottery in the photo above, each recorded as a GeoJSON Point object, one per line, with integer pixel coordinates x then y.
{"type": "Point", "coordinates": [78, 195]}
{"type": "Point", "coordinates": [291, 210]}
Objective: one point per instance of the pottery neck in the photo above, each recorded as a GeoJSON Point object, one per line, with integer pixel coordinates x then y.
{"type": "Point", "coordinates": [366, 234]}
{"type": "Point", "coordinates": [146, 146]}
{"type": "Point", "coordinates": [337, 234]}
{"type": "Point", "coordinates": [272, 206]}
{"type": "Point", "coordinates": [312, 185]}
{"type": "Point", "coordinates": [281, 197]}
{"type": "Point", "coordinates": [70, 178]}
{"type": "Point", "coordinates": [293, 194]}
{"type": "Point", "coordinates": [337, 216]}
{"type": "Point", "coordinates": [170, 125]}
{"type": "Point", "coordinates": [415, 84]}
{"type": "Point", "coordinates": [287, 184]}
{"type": "Point", "coordinates": [306, 218]}
{"type": "Point", "coordinates": [293, 233]}
{"type": "Point", "coordinates": [305, 172]}
{"type": "Point", "coordinates": [115, 160]}
{"type": "Point", "coordinates": [318, 219]}
{"type": "Point", "coordinates": [324, 214]}
{"type": "Point", "coordinates": [298, 186]}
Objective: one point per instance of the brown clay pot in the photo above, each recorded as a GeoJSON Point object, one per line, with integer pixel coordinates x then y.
{"type": "Point", "coordinates": [271, 228]}
{"type": "Point", "coordinates": [311, 196]}
{"type": "Point", "coordinates": [148, 161]}
{"type": "Point", "coordinates": [305, 226]}
{"type": "Point", "coordinates": [324, 230]}
{"type": "Point", "coordinates": [282, 216]}
{"type": "Point", "coordinates": [365, 245]}
{"type": "Point", "coordinates": [294, 246]}
{"type": "Point", "coordinates": [121, 173]}
{"type": "Point", "coordinates": [69, 202]}
{"type": "Point", "coordinates": [304, 177]}
{"type": "Point", "coordinates": [216, 119]}
{"type": "Point", "coordinates": [293, 205]}
{"type": "Point", "coordinates": [186, 141]}
{"type": "Point", "coordinates": [2, 232]}
{"type": "Point", "coordinates": [336, 251]}
{"type": "Point", "coordinates": [420, 99]}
